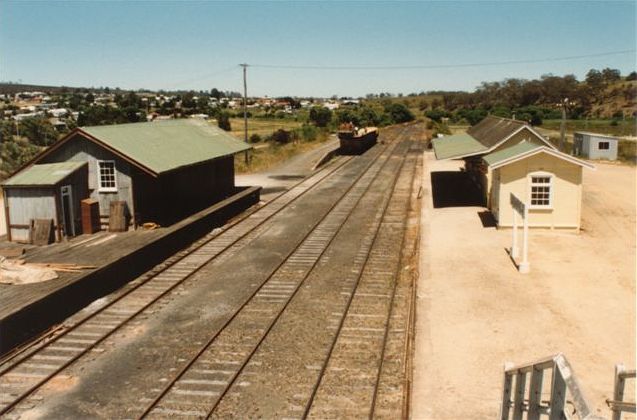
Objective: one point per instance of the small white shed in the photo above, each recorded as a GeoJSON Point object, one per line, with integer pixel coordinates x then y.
{"type": "Point", "coordinates": [595, 146]}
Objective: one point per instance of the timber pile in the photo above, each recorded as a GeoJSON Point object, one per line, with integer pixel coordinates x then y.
{"type": "Point", "coordinates": [62, 267]}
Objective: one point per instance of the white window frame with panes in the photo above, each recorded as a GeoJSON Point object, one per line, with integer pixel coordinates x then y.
{"type": "Point", "coordinates": [541, 187]}
{"type": "Point", "coordinates": [106, 176]}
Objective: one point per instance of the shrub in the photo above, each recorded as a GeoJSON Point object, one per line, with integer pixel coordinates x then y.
{"type": "Point", "coordinates": [281, 136]}
{"type": "Point", "coordinates": [223, 120]}
{"type": "Point", "coordinates": [308, 132]}
{"type": "Point", "coordinates": [320, 116]}
{"type": "Point", "coordinates": [254, 138]}
{"type": "Point", "coordinates": [399, 113]}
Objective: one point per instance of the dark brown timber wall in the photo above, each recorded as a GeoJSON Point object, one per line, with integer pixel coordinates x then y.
{"type": "Point", "coordinates": [30, 320]}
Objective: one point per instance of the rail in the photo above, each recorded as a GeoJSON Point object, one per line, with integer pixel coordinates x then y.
{"type": "Point", "coordinates": [617, 404]}
{"type": "Point", "coordinates": [563, 382]}
{"type": "Point", "coordinates": [155, 407]}
{"type": "Point", "coordinates": [22, 390]}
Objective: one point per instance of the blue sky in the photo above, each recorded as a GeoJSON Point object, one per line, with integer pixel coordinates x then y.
{"type": "Point", "coordinates": [198, 45]}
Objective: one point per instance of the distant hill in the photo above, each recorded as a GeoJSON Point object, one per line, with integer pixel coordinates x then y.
{"type": "Point", "coordinates": [13, 88]}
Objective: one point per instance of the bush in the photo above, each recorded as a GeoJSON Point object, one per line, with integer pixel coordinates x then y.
{"type": "Point", "coordinates": [399, 113]}
{"type": "Point", "coordinates": [308, 132]}
{"type": "Point", "coordinates": [254, 138]}
{"type": "Point", "coordinates": [320, 116]}
{"type": "Point", "coordinates": [281, 136]}
{"type": "Point", "coordinates": [223, 121]}
{"type": "Point", "coordinates": [436, 114]}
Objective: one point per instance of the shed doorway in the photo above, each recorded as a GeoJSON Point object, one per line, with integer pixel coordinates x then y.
{"type": "Point", "coordinates": [66, 193]}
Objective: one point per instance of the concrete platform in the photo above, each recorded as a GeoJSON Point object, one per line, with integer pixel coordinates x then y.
{"type": "Point", "coordinates": [26, 310]}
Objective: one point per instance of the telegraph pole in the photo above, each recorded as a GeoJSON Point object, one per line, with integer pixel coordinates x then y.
{"type": "Point", "coordinates": [245, 107]}
{"type": "Point", "coordinates": [563, 125]}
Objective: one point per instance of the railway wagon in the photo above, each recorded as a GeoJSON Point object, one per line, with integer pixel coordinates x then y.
{"type": "Point", "coordinates": [357, 141]}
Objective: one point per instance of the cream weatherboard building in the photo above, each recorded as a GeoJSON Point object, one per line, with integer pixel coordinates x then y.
{"type": "Point", "coordinates": [507, 157]}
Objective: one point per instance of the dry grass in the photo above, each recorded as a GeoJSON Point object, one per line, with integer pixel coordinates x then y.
{"type": "Point", "coordinates": [262, 127]}
{"type": "Point", "coordinates": [264, 158]}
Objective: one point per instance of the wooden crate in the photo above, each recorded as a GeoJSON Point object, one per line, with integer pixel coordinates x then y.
{"type": "Point", "coordinates": [90, 216]}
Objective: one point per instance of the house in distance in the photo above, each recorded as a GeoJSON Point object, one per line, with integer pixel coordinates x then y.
{"type": "Point", "coordinates": [162, 171]}
{"type": "Point", "coordinates": [507, 157]}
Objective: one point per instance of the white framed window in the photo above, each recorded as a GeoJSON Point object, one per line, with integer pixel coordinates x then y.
{"type": "Point", "coordinates": [603, 145]}
{"type": "Point", "coordinates": [106, 176]}
{"type": "Point", "coordinates": [541, 191]}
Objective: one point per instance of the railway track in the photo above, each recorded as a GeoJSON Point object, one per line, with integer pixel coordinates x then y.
{"type": "Point", "coordinates": [206, 382]}
{"type": "Point", "coordinates": [206, 379]}
{"type": "Point", "coordinates": [275, 385]}
{"type": "Point", "coordinates": [26, 371]}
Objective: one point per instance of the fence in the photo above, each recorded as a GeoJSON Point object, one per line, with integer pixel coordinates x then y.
{"type": "Point", "coordinates": [518, 398]}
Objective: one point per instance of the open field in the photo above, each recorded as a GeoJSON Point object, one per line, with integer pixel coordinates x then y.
{"type": "Point", "coordinates": [622, 127]}
{"type": "Point", "coordinates": [262, 127]}
{"type": "Point", "coordinates": [475, 311]}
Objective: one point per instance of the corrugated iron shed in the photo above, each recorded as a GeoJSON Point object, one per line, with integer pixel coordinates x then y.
{"type": "Point", "coordinates": [48, 174]}
{"type": "Point", "coordinates": [163, 146]}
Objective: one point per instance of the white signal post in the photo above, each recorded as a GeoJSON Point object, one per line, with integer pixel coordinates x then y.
{"type": "Point", "coordinates": [523, 210]}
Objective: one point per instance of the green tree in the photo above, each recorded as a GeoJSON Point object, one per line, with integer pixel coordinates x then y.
{"type": "Point", "coordinates": [39, 131]}
{"type": "Point", "coordinates": [611, 75]}
{"type": "Point", "coordinates": [320, 116]}
{"type": "Point", "coordinates": [594, 79]}
{"type": "Point", "coordinates": [223, 121]}
{"type": "Point", "coordinates": [399, 113]}
{"type": "Point", "coordinates": [216, 93]}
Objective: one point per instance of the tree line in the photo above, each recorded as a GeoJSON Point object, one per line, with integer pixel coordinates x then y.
{"type": "Point", "coordinates": [538, 99]}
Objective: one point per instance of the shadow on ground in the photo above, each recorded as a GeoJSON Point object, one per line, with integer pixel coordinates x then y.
{"type": "Point", "coordinates": [487, 219]}
{"type": "Point", "coordinates": [286, 177]}
{"type": "Point", "coordinates": [454, 189]}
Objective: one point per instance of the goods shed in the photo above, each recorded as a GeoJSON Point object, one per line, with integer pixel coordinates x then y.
{"type": "Point", "coordinates": [504, 156]}
{"type": "Point", "coordinates": [162, 171]}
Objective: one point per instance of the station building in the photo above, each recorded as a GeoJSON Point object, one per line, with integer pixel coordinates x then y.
{"type": "Point", "coordinates": [162, 171]}
{"type": "Point", "coordinates": [505, 157]}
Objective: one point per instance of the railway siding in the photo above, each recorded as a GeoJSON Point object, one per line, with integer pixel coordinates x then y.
{"type": "Point", "coordinates": [280, 378]}
{"type": "Point", "coordinates": [254, 321]}
{"type": "Point", "coordinates": [221, 360]}
{"type": "Point", "coordinates": [348, 387]}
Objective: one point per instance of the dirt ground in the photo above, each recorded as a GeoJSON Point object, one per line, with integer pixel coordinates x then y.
{"type": "Point", "coordinates": [475, 311]}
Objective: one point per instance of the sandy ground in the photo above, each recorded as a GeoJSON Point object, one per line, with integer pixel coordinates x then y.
{"type": "Point", "coordinates": [475, 311]}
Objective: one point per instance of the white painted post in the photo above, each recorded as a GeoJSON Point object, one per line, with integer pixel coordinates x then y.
{"type": "Point", "coordinates": [520, 207]}
{"type": "Point", "coordinates": [515, 251]}
{"type": "Point", "coordinates": [525, 266]}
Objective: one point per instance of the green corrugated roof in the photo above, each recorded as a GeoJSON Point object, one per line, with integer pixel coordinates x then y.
{"type": "Point", "coordinates": [162, 146]}
{"type": "Point", "coordinates": [457, 145]}
{"type": "Point", "coordinates": [47, 174]}
{"type": "Point", "coordinates": [509, 152]}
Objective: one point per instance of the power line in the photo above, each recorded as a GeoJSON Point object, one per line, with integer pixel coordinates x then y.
{"type": "Point", "coordinates": [202, 77]}
{"type": "Point", "coordinates": [441, 66]}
